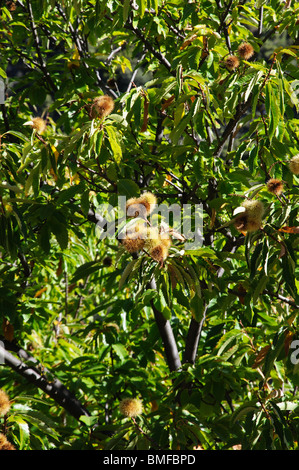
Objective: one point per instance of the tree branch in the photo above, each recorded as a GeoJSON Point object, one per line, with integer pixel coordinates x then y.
{"type": "Point", "coordinates": [223, 26]}
{"type": "Point", "coordinates": [135, 72]}
{"type": "Point", "coordinates": [166, 333]}
{"type": "Point", "coordinates": [282, 298]}
{"type": "Point", "coordinates": [261, 16]}
{"type": "Point", "coordinates": [195, 327]}
{"type": "Point", "coordinates": [38, 50]}
{"type": "Point", "coordinates": [192, 339]}
{"type": "Point", "coordinates": [54, 388]}
{"type": "Point", "coordinates": [5, 119]}
{"type": "Point", "coordinates": [241, 110]}
{"type": "Point", "coordinates": [78, 43]}
{"type": "Point", "coordinates": [149, 47]}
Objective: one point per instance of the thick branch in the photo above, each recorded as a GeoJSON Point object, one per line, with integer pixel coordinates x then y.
{"type": "Point", "coordinates": [54, 388]}
{"type": "Point", "coordinates": [166, 333]}
{"type": "Point", "coordinates": [192, 339]}
{"type": "Point", "coordinates": [195, 327]}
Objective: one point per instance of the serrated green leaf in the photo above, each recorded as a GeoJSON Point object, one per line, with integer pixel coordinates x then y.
{"type": "Point", "coordinates": [166, 312]}
{"type": "Point", "coordinates": [3, 73]}
{"type": "Point", "coordinates": [197, 307]}
{"type": "Point", "coordinates": [178, 131]}
{"type": "Point", "coordinates": [33, 180]}
{"type": "Point", "coordinates": [60, 231]}
{"type": "Point", "coordinates": [120, 350]}
{"type": "Point", "coordinates": [128, 188]}
{"type": "Point", "coordinates": [126, 8]}
{"type": "Point", "coordinates": [274, 109]}
{"type": "Point", "coordinates": [228, 339]}
{"type": "Point", "coordinates": [99, 137]}
{"type": "Point", "coordinates": [21, 136]}
{"type": "Point", "coordinates": [24, 430]}
{"type": "Point", "coordinates": [126, 272]}
{"type": "Point", "coordinates": [69, 193]}
{"type": "Point", "coordinates": [260, 288]}
{"type": "Point", "coordinates": [243, 410]}
{"type": "Point", "coordinates": [85, 270]}
{"type": "Point", "coordinates": [278, 345]}
{"type": "Point", "coordinates": [89, 420]}
{"type": "Point", "coordinates": [114, 141]}
{"type": "Point", "coordinates": [43, 422]}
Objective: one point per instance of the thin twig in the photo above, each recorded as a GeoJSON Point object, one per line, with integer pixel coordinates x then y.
{"type": "Point", "coordinates": [223, 26]}
{"type": "Point", "coordinates": [241, 110]}
{"type": "Point", "coordinates": [38, 50]}
{"type": "Point", "coordinates": [161, 58]}
{"type": "Point", "coordinates": [135, 72]}
{"type": "Point", "coordinates": [144, 433]}
{"type": "Point", "coordinates": [261, 16]}
{"type": "Point", "coordinates": [204, 100]}
{"type": "Point", "coordinates": [5, 118]}
{"type": "Point", "coordinates": [78, 42]}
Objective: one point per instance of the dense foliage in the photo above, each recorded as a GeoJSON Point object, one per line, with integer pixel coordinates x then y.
{"type": "Point", "coordinates": [204, 342]}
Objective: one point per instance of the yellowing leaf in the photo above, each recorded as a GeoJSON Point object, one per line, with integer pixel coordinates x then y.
{"type": "Point", "coordinates": [75, 60]}
{"type": "Point", "coordinates": [75, 179]}
{"type": "Point", "coordinates": [154, 406]}
{"type": "Point", "coordinates": [123, 62]}
{"type": "Point", "coordinates": [179, 114]}
{"type": "Point", "coordinates": [76, 55]}
{"type": "Point", "coordinates": [288, 339]}
{"type": "Point", "coordinates": [188, 41]}
{"type": "Point", "coordinates": [40, 292]}
{"type": "Point", "coordinates": [287, 50]}
{"type": "Point", "coordinates": [55, 152]}
{"type": "Point", "coordinates": [166, 181]}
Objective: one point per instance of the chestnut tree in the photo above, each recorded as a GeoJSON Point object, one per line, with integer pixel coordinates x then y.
{"type": "Point", "coordinates": [118, 343]}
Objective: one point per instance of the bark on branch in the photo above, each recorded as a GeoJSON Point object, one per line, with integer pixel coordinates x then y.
{"type": "Point", "coordinates": [54, 388]}
{"type": "Point", "coordinates": [192, 339]}
{"type": "Point", "coordinates": [166, 333]}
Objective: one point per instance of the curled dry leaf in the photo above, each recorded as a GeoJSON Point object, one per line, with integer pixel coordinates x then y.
{"type": "Point", "coordinates": [261, 356]}
{"type": "Point", "coordinates": [289, 229]}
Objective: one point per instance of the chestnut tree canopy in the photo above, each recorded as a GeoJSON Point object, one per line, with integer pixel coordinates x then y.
{"type": "Point", "coordinates": [166, 345]}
